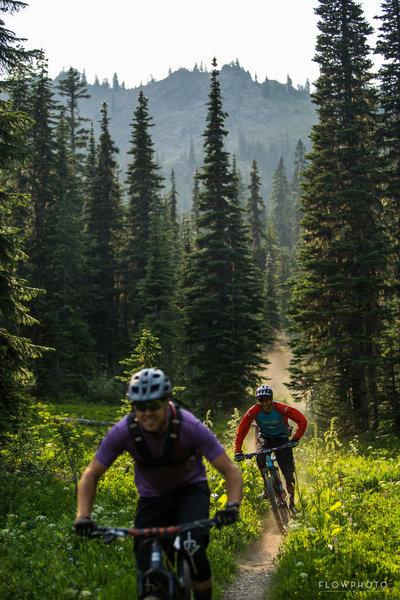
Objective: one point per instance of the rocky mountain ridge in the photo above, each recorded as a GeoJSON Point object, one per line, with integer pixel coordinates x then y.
{"type": "Point", "coordinates": [265, 121]}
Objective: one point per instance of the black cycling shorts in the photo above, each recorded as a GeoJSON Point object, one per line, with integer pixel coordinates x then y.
{"type": "Point", "coordinates": [284, 457]}
{"type": "Point", "coordinates": [183, 505]}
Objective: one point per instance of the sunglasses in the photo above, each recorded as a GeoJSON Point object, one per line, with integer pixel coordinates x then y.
{"type": "Point", "coordinates": [152, 405]}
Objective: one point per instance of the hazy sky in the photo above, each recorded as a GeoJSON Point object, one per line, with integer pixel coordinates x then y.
{"type": "Point", "coordinates": [138, 39]}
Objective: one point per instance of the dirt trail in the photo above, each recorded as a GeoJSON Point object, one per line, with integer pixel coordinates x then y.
{"type": "Point", "coordinates": [256, 565]}
{"type": "Point", "coordinates": [257, 562]}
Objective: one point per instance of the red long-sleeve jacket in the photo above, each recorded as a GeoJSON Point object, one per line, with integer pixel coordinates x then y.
{"type": "Point", "coordinates": [273, 423]}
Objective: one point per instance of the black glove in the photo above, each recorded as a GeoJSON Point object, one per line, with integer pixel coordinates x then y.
{"type": "Point", "coordinates": [226, 517]}
{"type": "Point", "coordinates": [293, 443]}
{"type": "Point", "coordinates": [84, 526]}
{"type": "Point", "coordinates": [238, 456]}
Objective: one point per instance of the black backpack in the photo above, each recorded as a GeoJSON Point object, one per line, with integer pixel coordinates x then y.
{"type": "Point", "coordinates": [172, 454]}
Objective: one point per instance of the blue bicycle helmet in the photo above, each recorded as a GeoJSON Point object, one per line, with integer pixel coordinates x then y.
{"type": "Point", "coordinates": [149, 384]}
{"type": "Point", "coordinates": [265, 391]}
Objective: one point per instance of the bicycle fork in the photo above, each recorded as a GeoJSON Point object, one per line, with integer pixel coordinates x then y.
{"type": "Point", "coordinates": [157, 578]}
{"type": "Point", "coordinates": [272, 470]}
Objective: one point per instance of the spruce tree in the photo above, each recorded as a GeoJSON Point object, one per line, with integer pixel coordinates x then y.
{"type": "Point", "coordinates": [67, 294]}
{"type": "Point", "coordinates": [281, 209]}
{"type": "Point", "coordinates": [256, 216]}
{"type": "Point", "coordinates": [221, 305]}
{"type": "Point", "coordinates": [143, 186]}
{"type": "Point", "coordinates": [74, 89]}
{"type": "Point", "coordinates": [103, 216]}
{"type": "Point", "coordinates": [388, 138]}
{"type": "Point", "coordinates": [271, 310]}
{"type": "Point", "coordinates": [16, 351]}
{"type": "Point", "coordinates": [296, 193]}
{"type": "Point", "coordinates": [158, 288]}
{"type": "Point", "coordinates": [336, 309]}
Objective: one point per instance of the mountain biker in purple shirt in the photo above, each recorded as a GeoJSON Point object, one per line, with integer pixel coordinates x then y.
{"type": "Point", "coordinates": [168, 445]}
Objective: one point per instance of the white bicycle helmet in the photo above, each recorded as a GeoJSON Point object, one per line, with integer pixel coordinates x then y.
{"type": "Point", "coordinates": [149, 384]}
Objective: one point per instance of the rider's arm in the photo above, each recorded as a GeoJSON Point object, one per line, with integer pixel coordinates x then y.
{"type": "Point", "coordinates": [233, 477]}
{"type": "Point", "coordinates": [294, 415]}
{"type": "Point", "coordinates": [88, 486]}
{"type": "Point", "coordinates": [244, 426]}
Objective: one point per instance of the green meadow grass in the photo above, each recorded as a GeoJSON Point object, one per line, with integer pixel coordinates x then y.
{"type": "Point", "coordinates": [41, 557]}
{"type": "Point", "coordinates": [344, 542]}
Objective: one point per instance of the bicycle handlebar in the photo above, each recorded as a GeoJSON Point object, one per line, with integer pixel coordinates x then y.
{"type": "Point", "coordinates": [111, 533]}
{"type": "Point", "coordinates": [252, 454]}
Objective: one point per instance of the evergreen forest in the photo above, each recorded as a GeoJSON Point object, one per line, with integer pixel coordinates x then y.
{"type": "Point", "coordinates": [114, 258]}
{"type": "Point", "coordinates": [97, 261]}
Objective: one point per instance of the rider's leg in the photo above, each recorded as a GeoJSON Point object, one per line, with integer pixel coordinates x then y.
{"type": "Point", "coordinates": [290, 483]}
{"type": "Point", "coordinates": [194, 503]}
{"type": "Point", "coordinates": [286, 464]}
{"type": "Point", "coordinates": [261, 460]}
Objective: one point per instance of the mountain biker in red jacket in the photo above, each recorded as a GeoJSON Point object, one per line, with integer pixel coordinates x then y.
{"type": "Point", "coordinates": [271, 418]}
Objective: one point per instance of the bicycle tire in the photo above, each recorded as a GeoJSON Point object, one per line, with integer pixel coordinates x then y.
{"type": "Point", "coordinates": [185, 591]}
{"type": "Point", "coordinates": [278, 505]}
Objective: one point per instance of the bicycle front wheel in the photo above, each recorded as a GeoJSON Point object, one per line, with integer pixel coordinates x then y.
{"type": "Point", "coordinates": [185, 587]}
{"type": "Point", "coordinates": [278, 504]}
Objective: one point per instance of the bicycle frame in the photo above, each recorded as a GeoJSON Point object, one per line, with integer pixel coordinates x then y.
{"type": "Point", "coordinates": [273, 486]}
{"type": "Point", "coordinates": [172, 576]}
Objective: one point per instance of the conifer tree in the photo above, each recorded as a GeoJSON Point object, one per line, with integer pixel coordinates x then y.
{"type": "Point", "coordinates": [336, 310]}
{"type": "Point", "coordinates": [41, 175]}
{"type": "Point", "coordinates": [158, 288]}
{"type": "Point", "coordinates": [256, 216]}
{"type": "Point", "coordinates": [388, 137]}
{"type": "Point", "coordinates": [103, 215]}
{"type": "Point", "coordinates": [172, 203]}
{"type": "Point", "coordinates": [16, 351]}
{"type": "Point", "coordinates": [67, 293]}
{"type": "Point", "coordinates": [281, 213]}
{"type": "Point", "coordinates": [222, 313]}
{"type": "Point", "coordinates": [74, 89]}
{"type": "Point", "coordinates": [143, 186]}
{"type": "Point", "coordinates": [296, 193]}
{"type": "Point", "coordinates": [271, 311]}
{"type": "Point", "coordinates": [146, 354]}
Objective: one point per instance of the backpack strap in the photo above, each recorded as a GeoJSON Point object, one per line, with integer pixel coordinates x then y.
{"type": "Point", "coordinates": [172, 453]}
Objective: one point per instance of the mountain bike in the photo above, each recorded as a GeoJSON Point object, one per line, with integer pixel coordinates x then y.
{"type": "Point", "coordinates": [168, 574]}
{"type": "Point", "coordinates": [273, 487]}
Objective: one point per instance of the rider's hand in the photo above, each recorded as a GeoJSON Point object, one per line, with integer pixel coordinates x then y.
{"type": "Point", "coordinates": [84, 526]}
{"type": "Point", "coordinates": [226, 517]}
{"type": "Point", "coordinates": [293, 442]}
{"type": "Point", "coordinates": [238, 456]}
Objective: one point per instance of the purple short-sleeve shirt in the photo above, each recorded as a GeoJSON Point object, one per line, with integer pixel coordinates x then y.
{"type": "Point", "coordinates": [155, 481]}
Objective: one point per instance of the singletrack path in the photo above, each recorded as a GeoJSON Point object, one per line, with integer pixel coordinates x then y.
{"type": "Point", "coordinates": [257, 562]}
{"type": "Point", "coordinates": [256, 565]}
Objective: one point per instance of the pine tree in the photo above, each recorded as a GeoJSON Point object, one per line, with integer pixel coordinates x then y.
{"type": "Point", "coordinates": [256, 216]}
{"type": "Point", "coordinates": [223, 356]}
{"type": "Point", "coordinates": [271, 311]}
{"type": "Point", "coordinates": [336, 310]}
{"type": "Point", "coordinates": [13, 55]}
{"type": "Point", "coordinates": [281, 206]}
{"type": "Point", "coordinates": [74, 89]}
{"type": "Point", "coordinates": [146, 354]}
{"type": "Point", "coordinates": [296, 193]}
{"type": "Point", "coordinates": [143, 186]}
{"type": "Point", "coordinates": [388, 138]}
{"type": "Point", "coordinates": [103, 214]}
{"type": "Point", "coordinates": [67, 298]}
{"type": "Point", "coordinates": [41, 176]}
{"type": "Point", "coordinates": [158, 288]}
{"type": "Point", "coordinates": [16, 351]}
